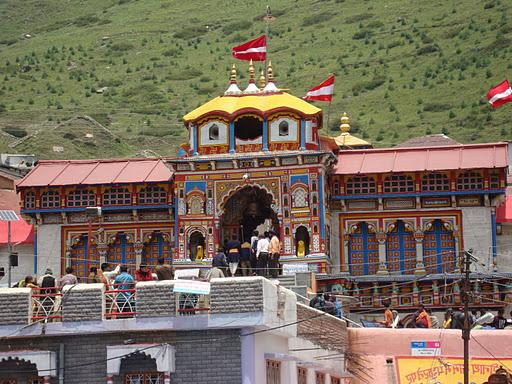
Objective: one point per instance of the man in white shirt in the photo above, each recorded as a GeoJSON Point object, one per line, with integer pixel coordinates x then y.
{"type": "Point", "coordinates": [262, 254]}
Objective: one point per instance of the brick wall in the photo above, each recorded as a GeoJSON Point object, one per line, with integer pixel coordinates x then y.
{"type": "Point", "coordinates": [83, 302]}
{"type": "Point", "coordinates": [212, 357]}
{"type": "Point", "coordinates": [15, 304]}
{"type": "Point", "coordinates": [155, 299]}
{"type": "Point", "coordinates": [237, 295]}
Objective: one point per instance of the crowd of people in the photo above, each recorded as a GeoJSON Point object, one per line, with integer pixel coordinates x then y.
{"type": "Point", "coordinates": [327, 303]}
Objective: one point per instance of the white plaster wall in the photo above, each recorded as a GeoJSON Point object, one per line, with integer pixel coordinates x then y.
{"type": "Point", "coordinates": [309, 131]}
{"type": "Point", "coordinates": [292, 130]}
{"type": "Point", "coordinates": [205, 137]}
{"type": "Point", "coordinates": [504, 248]}
{"type": "Point", "coordinates": [25, 262]}
{"type": "Point", "coordinates": [49, 249]}
{"type": "Point", "coordinates": [335, 241]}
{"type": "Point", "coordinates": [477, 233]}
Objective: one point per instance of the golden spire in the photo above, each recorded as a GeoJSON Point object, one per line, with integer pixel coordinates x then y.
{"type": "Point", "coordinates": [270, 74]}
{"type": "Point", "coordinates": [233, 74]}
{"type": "Point", "coordinates": [261, 81]}
{"type": "Point", "coordinates": [345, 123]}
{"type": "Point", "coordinates": [251, 72]}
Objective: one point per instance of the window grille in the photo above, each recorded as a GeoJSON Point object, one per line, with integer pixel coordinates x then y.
{"type": "Point", "coordinates": [50, 199]}
{"type": "Point", "coordinates": [81, 198]}
{"type": "Point", "coordinates": [144, 378]}
{"type": "Point", "coordinates": [30, 200]}
{"type": "Point", "coordinates": [152, 194]}
{"type": "Point", "coordinates": [434, 182]}
{"type": "Point", "coordinates": [117, 196]}
{"type": "Point", "coordinates": [470, 180]}
{"type": "Point", "coordinates": [361, 185]}
{"type": "Point", "coordinates": [398, 184]}
{"type": "Point", "coordinates": [273, 372]}
{"type": "Point", "coordinates": [300, 198]}
{"type": "Point", "coordinates": [494, 182]}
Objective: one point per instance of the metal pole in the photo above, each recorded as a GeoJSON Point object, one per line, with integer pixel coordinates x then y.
{"type": "Point", "coordinates": [466, 329]}
{"type": "Point", "coordinates": [9, 251]}
{"type": "Point", "coordinates": [329, 118]}
{"type": "Point", "coordinates": [89, 234]}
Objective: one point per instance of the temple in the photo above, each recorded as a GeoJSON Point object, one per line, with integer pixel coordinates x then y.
{"type": "Point", "coordinates": [362, 219]}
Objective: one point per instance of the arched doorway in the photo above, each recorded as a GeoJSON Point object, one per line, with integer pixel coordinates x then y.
{"type": "Point", "coordinates": [196, 240]}
{"type": "Point", "coordinates": [248, 209]}
{"type": "Point", "coordinates": [301, 241]}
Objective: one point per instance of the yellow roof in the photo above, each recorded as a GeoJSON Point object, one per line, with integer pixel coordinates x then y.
{"type": "Point", "coordinates": [264, 103]}
{"type": "Point", "coordinates": [345, 139]}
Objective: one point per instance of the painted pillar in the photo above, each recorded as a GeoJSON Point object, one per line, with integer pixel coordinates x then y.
{"type": "Point", "coordinates": [493, 234]}
{"type": "Point", "coordinates": [381, 238]}
{"type": "Point", "coordinates": [303, 135]}
{"type": "Point", "coordinates": [345, 266]}
{"type": "Point", "coordinates": [265, 135]}
{"type": "Point", "coordinates": [194, 133]}
{"type": "Point", "coordinates": [231, 137]}
{"type": "Point", "coordinates": [102, 251]}
{"type": "Point", "coordinates": [420, 266]}
{"type": "Point", "coordinates": [35, 249]}
{"type": "Point", "coordinates": [321, 203]}
{"type": "Point", "coordinates": [138, 248]}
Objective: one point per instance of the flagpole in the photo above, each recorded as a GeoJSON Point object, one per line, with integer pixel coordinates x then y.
{"type": "Point", "coordinates": [268, 18]}
{"type": "Point", "coordinates": [329, 118]}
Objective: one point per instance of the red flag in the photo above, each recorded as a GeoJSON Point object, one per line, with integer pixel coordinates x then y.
{"type": "Point", "coordinates": [322, 92]}
{"type": "Point", "coordinates": [255, 49]}
{"type": "Point", "coordinates": [500, 94]}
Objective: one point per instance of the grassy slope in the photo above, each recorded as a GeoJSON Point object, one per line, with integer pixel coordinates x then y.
{"type": "Point", "coordinates": [405, 68]}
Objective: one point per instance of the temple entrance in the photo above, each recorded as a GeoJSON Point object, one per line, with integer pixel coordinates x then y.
{"type": "Point", "coordinates": [301, 241]}
{"type": "Point", "coordinates": [196, 244]}
{"type": "Point", "coordinates": [247, 210]}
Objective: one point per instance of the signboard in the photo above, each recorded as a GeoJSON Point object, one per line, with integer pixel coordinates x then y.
{"type": "Point", "coordinates": [446, 370]}
{"type": "Point", "coordinates": [425, 348]}
{"type": "Point", "coordinates": [186, 273]}
{"type": "Point", "coordinates": [292, 268]}
{"type": "Point", "coordinates": [192, 286]}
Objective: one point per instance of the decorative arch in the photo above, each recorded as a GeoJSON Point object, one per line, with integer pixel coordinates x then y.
{"type": "Point", "coordinates": [45, 361]}
{"type": "Point", "coordinates": [195, 204]}
{"type": "Point", "coordinates": [300, 197]}
{"type": "Point", "coordinates": [363, 249]}
{"type": "Point", "coordinates": [439, 247]}
{"type": "Point", "coordinates": [163, 354]}
{"type": "Point", "coordinates": [302, 237]}
{"type": "Point", "coordinates": [236, 187]}
{"type": "Point", "coordinates": [400, 247]}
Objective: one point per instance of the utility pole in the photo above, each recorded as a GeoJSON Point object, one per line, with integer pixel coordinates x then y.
{"type": "Point", "coordinates": [467, 326]}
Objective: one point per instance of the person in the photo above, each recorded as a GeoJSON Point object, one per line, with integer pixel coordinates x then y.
{"type": "Point", "coordinates": [447, 323]}
{"type": "Point", "coordinates": [388, 316]}
{"type": "Point", "coordinates": [51, 302]}
{"type": "Point", "coordinates": [329, 306]}
{"type": "Point", "coordinates": [124, 282]}
{"type": "Point", "coordinates": [337, 306]}
{"type": "Point", "coordinates": [457, 319]}
{"type": "Point", "coordinates": [107, 276]}
{"type": "Point", "coordinates": [274, 250]}
{"type": "Point", "coordinates": [143, 273]}
{"type": "Point", "coordinates": [262, 254]}
{"type": "Point", "coordinates": [68, 278]}
{"type": "Point", "coordinates": [318, 302]}
{"type": "Point", "coordinates": [254, 248]}
{"type": "Point", "coordinates": [214, 273]}
{"type": "Point", "coordinates": [233, 256]}
{"type": "Point", "coordinates": [29, 282]}
{"type": "Point", "coordinates": [423, 318]}
{"type": "Point", "coordinates": [219, 260]}
{"type": "Point", "coordinates": [499, 321]}
{"type": "Point", "coordinates": [47, 281]}
{"type": "Point", "coordinates": [245, 259]}
{"type": "Point", "coordinates": [163, 271]}
{"type": "Point", "coordinates": [93, 276]}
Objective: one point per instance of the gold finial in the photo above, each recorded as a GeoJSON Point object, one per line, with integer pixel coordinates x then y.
{"type": "Point", "coordinates": [345, 123]}
{"type": "Point", "coordinates": [270, 74]}
{"type": "Point", "coordinates": [251, 72]}
{"type": "Point", "coordinates": [233, 74]}
{"type": "Point", "coordinates": [261, 82]}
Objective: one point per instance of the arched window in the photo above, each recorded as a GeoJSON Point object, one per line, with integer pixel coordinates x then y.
{"type": "Point", "coordinates": [361, 185]}
{"type": "Point", "coordinates": [30, 200]}
{"type": "Point", "coordinates": [439, 248]}
{"type": "Point", "coordinates": [299, 198]}
{"type": "Point", "coordinates": [117, 196]}
{"type": "Point", "coordinates": [50, 199]}
{"type": "Point", "coordinates": [470, 180]}
{"type": "Point", "coordinates": [213, 132]}
{"type": "Point", "coordinates": [81, 198]}
{"type": "Point", "coordinates": [401, 249]}
{"type": "Point", "coordinates": [195, 206]}
{"type": "Point", "coordinates": [152, 194]}
{"type": "Point", "coordinates": [363, 251]}
{"type": "Point", "coordinates": [434, 182]}
{"type": "Point", "coordinates": [284, 128]}
{"type": "Point", "coordinates": [398, 184]}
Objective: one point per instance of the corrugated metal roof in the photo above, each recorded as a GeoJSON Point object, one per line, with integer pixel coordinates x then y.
{"type": "Point", "coordinates": [422, 159]}
{"type": "Point", "coordinates": [91, 172]}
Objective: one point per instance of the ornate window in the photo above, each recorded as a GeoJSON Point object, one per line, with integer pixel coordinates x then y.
{"type": "Point", "coordinates": [401, 249]}
{"type": "Point", "coordinates": [494, 181]}
{"type": "Point", "coordinates": [152, 194]}
{"type": "Point", "coordinates": [363, 250]}
{"type": "Point", "coordinates": [434, 182]}
{"type": "Point", "coordinates": [470, 180]}
{"type": "Point", "coordinates": [273, 372]}
{"type": "Point", "coordinates": [302, 375]}
{"type": "Point", "coordinates": [195, 205]}
{"type": "Point", "coordinates": [50, 199]}
{"type": "Point", "coordinates": [439, 248]}
{"type": "Point", "coordinates": [320, 378]}
{"type": "Point", "coordinates": [81, 198]}
{"type": "Point", "coordinates": [284, 128]}
{"type": "Point", "coordinates": [398, 184]}
{"type": "Point", "coordinates": [299, 198]}
{"type": "Point", "coordinates": [213, 132]}
{"type": "Point", "coordinates": [117, 196]}
{"type": "Point", "coordinates": [144, 378]}
{"type": "Point", "coordinates": [30, 200]}
{"type": "Point", "coordinates": [361, 185]}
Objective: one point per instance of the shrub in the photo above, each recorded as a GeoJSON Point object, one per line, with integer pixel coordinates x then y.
{"type": "Point", "coordinates": [430, 48]}
{"type": "Point", "coordinates": [185, 74]}
{"type": "Point", "coordinates": [15, 131]}
{"type": "Point", "coordinates": [436, 107]}
{"type": "Point", "coordinates": [362, 34]}
{"type": "Point", "coordinates": [191, 32]}
{"type": "Point", "coordinates": [83, 21]}
{"type": "Point", "coordinates": [358, 18]}
{"type": "Point", "coordinates": [235, 26]}
{"type": "Point", "coordinates": [317, 18]}
{"type": "Point", "coordinates": [121, 47]}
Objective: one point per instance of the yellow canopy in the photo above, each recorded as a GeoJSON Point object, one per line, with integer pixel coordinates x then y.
{"type": "Point", "coordinates": [345, 139]}
{"type": "Point", "coordinates": [264, 103]}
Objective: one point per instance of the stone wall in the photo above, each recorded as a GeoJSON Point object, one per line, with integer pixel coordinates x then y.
{"type": "Point", "coordinates": [237, 295]}
{"type": "Point", "coordinates": [155, 299]}
{"type": "Point", "coordinates": [16, 307]}
{"type": "Point", "coordinates": [83, 302]}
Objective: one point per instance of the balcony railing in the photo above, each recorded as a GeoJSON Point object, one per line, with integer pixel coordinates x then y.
{"type": "Point", "coordinates": [192, 304]}
{"type": "Point", "coordinates": [46, 304]}
{"type": "Point", "coordinates": [120, 301]}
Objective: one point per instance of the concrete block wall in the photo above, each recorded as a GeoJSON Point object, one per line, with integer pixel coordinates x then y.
{"type": "Point", "coordinates": [83, 302]}
{"type": "Point", "coordinates": [238, 294]}
{"type": "Point", "coordinates": [16, 306]}
{"type": "Point", "coordinates": [155, 299]}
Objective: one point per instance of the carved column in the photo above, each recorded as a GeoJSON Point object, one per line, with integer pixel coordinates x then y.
{"type": "Point", "coordinates": [381, 238]}
{"type": "Point", "coordinates": [415, 294]}
{"type": "Point", "coordinates": [138, 247]}
{"type": "Point", "coordinates": [420, 266]}
{"type": "Point", "coordinates": [346, 239]}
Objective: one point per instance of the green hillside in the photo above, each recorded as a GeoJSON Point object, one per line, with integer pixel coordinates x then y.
{"type": "Point", "coordinates": [404, 68]}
